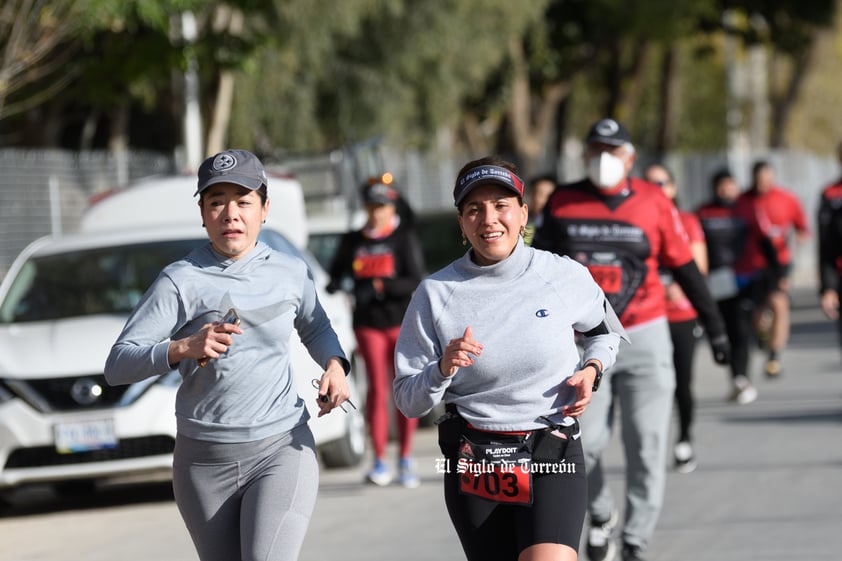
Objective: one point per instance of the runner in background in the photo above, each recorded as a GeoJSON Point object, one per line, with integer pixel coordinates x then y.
{"type": "Point", "coordinates": [772, 213]}
{"type": "Point", "coordinates": [538, 191]}
{"type": "Point", "coordinates": [726, 235]}
{"type": "Point", "coordinates": [685, 330]}
{"type": "Point", "coordinates": [385, 264]}
{"type": "Point", "coordinates": [623, 228]}
{"type": "Point", "coordinates": [830, 249]}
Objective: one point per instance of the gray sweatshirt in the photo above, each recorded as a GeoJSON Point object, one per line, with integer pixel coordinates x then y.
{"type": "Point", "coordinates": [249, 392]}
{"type": "Point", "coordinates": [525, 311]}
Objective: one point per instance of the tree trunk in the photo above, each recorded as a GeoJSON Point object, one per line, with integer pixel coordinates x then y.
{"type": "Point", "coordinates": [230, 20]}
{"type": "Point", "coordinates": [782, 105]}
{"type": "Point", "coordinates": [633, 82]}
{"type": "Point", "coordinates": [531, 117]}
{"type": "Point", "coordinates": [669, 94]}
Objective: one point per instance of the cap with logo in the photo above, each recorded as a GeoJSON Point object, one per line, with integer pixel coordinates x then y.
{"type": "Point", "coordinates": [608, 131]}
{"type": "Point", "coordinates": [484, 175]}
{"type": "Point", "coordinates": [239, 167]}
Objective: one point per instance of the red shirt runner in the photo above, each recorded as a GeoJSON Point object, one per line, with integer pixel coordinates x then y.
{"type": "Point", "coordinates": [621, 238]}
{"type": "Point", "coordinates": [772, 214]}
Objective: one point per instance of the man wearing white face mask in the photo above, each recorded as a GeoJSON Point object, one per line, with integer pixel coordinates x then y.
{"type": "Point", "coordinates": [621, 228]}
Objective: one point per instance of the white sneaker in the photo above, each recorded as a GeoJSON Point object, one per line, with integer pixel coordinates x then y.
{"type": "Point", "coordinates": [685, 459]}
{"type": "Point", "coordinates": [601, 546]}
{"type": "Point", "coordinates": [744, 392]}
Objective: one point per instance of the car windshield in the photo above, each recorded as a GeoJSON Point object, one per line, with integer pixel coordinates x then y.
{"type": "Point", "coordinates": [104, 280]}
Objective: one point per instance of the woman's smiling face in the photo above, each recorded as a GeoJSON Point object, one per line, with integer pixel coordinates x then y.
{"type": "Point", "coordinates": [491, 219]}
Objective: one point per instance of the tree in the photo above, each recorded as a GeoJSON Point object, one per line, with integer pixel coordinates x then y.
{"type": "Point", "coordinates": [788, 29]}
{"type": "Point", "coordinates": [400, 68]}
{"type": "Point", "coordinates": [34, 48]}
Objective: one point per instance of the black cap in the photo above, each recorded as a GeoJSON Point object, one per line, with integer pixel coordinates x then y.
{"type": "Point", "coordinates": [483, 175]}
{"type": "Point", "coordinates": [232, 166]}
{"type": "Point", "coordinates": [379, 194]}
{"type": "Point", "coordinates": [608, 131]}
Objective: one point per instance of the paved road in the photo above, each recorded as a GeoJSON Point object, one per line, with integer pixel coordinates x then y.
{"type": "Point", "coordinates": [768, 487]}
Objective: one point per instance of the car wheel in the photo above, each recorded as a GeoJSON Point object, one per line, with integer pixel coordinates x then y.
{"type": "Point", "coordinates": [348, 450]}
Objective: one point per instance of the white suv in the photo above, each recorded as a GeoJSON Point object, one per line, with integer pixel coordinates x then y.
{"type": "Point", "coordinates": [62, 305]}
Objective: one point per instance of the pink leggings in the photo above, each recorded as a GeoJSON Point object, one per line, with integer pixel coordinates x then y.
{"type": "Point", "coordinates": [377, 347]}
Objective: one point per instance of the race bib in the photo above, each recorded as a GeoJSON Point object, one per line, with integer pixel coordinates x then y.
{"type": "Point", "coordinates": [498, 472]}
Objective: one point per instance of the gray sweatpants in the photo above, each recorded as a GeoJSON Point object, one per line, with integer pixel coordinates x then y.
{"type": "Point", "coordinates": [249, 500]}
{"type": "Point", "coordinates": [642, 383]}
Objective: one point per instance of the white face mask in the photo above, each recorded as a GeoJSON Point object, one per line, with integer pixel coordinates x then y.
{"type": "Point", "coordinates": [606, 170]}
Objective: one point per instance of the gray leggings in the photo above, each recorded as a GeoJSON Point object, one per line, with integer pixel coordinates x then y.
{"type": "Point", "coordinates": [249, 500]}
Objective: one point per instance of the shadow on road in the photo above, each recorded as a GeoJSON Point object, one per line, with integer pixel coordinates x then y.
{"type": "Point", "coordinates": [36, 500]}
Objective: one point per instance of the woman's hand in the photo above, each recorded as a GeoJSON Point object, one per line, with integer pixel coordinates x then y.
{"type": "Point", "coordinates": [830, 303]}
{"type": "Point", "coordinates": [334, 385]}
{"type": "Point", "coordinates": [211, 341]}
{"type": "Point", "coordinates": [582, 381]}
{"type": "Point", "coordinates": [458, 353]}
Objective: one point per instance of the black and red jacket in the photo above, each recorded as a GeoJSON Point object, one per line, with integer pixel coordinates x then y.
{"type": "Point", "coordinates": [830, 237]}
{"type": "Point", "coordinates": [622, 236]}
{"type": "Point", "coordinates": [396, 259]}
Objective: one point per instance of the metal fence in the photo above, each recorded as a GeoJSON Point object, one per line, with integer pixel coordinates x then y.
{"type": "Point", "coordinates": [45, 192]}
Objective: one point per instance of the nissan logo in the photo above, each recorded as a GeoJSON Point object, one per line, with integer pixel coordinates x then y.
{"type": "Point", "coordinates": [85, 391]}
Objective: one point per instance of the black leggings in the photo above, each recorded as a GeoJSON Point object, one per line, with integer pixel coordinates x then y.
{"type": "Point", "coordinates": [737, 315]}
{"type": "Point", "coordinates": [684, 338]}
{"type": "Point", "coordinates": [490, 531]}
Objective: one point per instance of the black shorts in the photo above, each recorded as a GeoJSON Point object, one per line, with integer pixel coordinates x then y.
{"type": "Point", "coordinates": [491, 531]}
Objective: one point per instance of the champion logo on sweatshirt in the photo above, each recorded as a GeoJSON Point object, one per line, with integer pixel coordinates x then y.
{"type": "Point", "coordinates": [542, 313]}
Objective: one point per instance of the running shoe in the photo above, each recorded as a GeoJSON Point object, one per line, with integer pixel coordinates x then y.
{"type": "Point", "coordinates": [632, 552]}
{"type": "Point", "coordinates": [773, 366]}
{"type": "Point", "coordinates": [685, 458]}
{"type": "Point", "coordinates": [744, 392]}
{"type": "Point", "coordinates": [406, 474]}
{"type": "Point", "coordinates": [601, 546]}
{"type": "Point", "coordinates": [379, 474]}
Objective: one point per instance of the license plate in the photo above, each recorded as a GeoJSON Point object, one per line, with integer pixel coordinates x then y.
{"type": "Point", "coordinates": [85, 436]}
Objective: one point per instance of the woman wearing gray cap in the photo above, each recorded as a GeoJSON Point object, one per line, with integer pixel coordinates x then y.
{"type": "Point", "coordinates": [493, 336]}
{"type": "Point", "coordinates": [245, 472]}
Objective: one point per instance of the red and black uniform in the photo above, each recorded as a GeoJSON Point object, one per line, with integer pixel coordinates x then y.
{"type": "Point", "coordinates": [830, 241]}
{"type": "Point", "coordinates": [622, 237]}
{"type": "Point", "coordinates": [395, 259]}
{"type": "Point", "coordinates": [726, 235]}
{"type": "Point", "coordinates": [769, 215]}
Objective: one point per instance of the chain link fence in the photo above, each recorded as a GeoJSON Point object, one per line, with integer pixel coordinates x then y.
{"type": "Point", "coordinates": [45, 192]}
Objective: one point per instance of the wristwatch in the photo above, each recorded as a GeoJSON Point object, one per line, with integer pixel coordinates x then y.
{"type": "Point", "coordinates": [598, 379]}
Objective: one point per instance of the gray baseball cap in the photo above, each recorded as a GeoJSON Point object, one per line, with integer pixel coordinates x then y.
{"type": "Point", "coordinates": [239, 167]}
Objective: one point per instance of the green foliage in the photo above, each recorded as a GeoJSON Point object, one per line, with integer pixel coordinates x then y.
{"type": "Point", "coordinates": [399, 67]}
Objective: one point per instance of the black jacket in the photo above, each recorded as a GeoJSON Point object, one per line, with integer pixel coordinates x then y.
{"type": "Point", "coordinates": [396, 259]}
